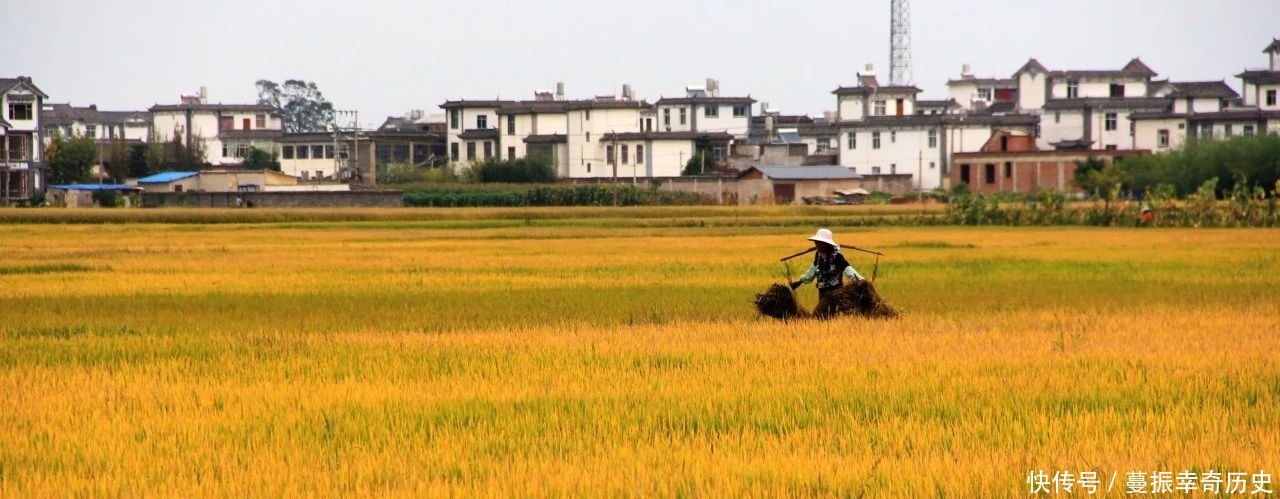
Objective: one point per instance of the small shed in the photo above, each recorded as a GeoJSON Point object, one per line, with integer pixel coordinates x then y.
{"type": "Point", "coordinates": [81, 195]}
{"type": "Point", "coordinates": [170, 182]}
{"type": "Point", "coordinates": [791, 184]}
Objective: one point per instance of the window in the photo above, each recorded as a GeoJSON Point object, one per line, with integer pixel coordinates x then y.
{"type": "Point", "coordinates": [511, 125]}
{"type": "Point", "coordinates": [739, 110]}
{"type": "Point", "coordinates": [1111, 147]}
{"type": "Point", "coordinates": [587, 114]}
{"type": "Point", "coordinates": [111, 132]}
{"type": "Point", "coordinates": [1008, 169]}
{"type": "Point", "coordinates": [304, 175]}
{"type": "Point", "coordinates": [1162, 138]}
{"type": "Point", "coordinates": [488, 149]}
{"type": "Point", "coordinates": [1206, 130]}
{"type": "Point", "coordinates": [932, 165]}
{"type": "Point", "coordinates": [511, 153]}
{"type": "Point", "coordinates": [893, 136]}
{"type": "Point", "coordinates": [683, 113]}
{"type": "Point", "coordinates": [875, 170]}
{"type": "Point", "coordinates": [893, 168]}
{"type": "Point", "coordinates": [286, 152]}
{"type": "Point", "coordinates": [711, 111]}
{"type": "Point", "coordinates": [1133, 127]}
{"type": "Point", "coordinates": [261, 120]}
{"type": "Point", "coordinates": [453, 120]}
{"type": "Point", "coordinates": [875, 140]}
{"type": "Point", "coordinates": [453, 151]}
{"type": "Point", "coordinates": [471, 151]}
{"type": "Point", "coordinates": [624, 153]}
{"type": "Point", "coordinates": [879, 110]}
{"type": "Point", "coordinates": [1248, 130]}
{"type": "Point", "coordinates": [242, 150]}
{"type": "Point", "coordinates": [588, 167]}
{"type": "Point", "coordinates": [319, 175]}
{"type": "Point", "coordinates": [984, 93]}
{"type": "Point", "coordinates": [19, 110]}
{"type": "Point", "coordinates": [989, 173]}
{"type": "Point", "coordinates": [666, 117]}
{"type": "Point", "coordinates": [301, 150]}
{"type": "Point", "coordinates": [1109, 122]}
{"type": "Point", "coordinates": [639, 154]}
{"type": "Point", "coordinates": [1227, 130]}
{"type": "Point", "coordinates": [246, 122]}
{"type": "Point", "coordinates": [1117, 90]}
{"type": "Point", "coordinates": [1271, 97]}
{"type": "Point", "coordinates": [588, 136]}
{"type": "Point", "coordinates": [328, 151]}
{"type": "Point", "coordinates": [226, 151]}
{"type": "Point", "coordinates": [1073, 89]}
{"type": "Point", "coordinates": [933, 138]}
{"type": "Point", "coordinates": [482, 121]}
{"type": "Point", "coordinates": [317, 152]}
{"type": "Point", "coordinates": [1222, 104]}
{"type": "Point", "coordinates": [91, 131]}
{"type": "Point", "coordinates": [853, 140]}
{"type": "Point", "coordinates": [608, 155]}
{"type": "Point", "coordinates": [1057, 117]}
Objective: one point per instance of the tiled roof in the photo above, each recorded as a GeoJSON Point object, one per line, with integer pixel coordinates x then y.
{"type": "Point", "coordinates": [7, 84]}
{"type": "Point", "coordinates": [937, 103]}
{"type": "Point", "coordinates": [246, 108]}
{"type": "Point", "coordinates": [1031, 64]}
{"type": "Point", "coordinates": [1203, 89]}
{"type": "Point", "coordinates": [887, 89]}
{"type": "Point", "coordinates": [1260, 76]}
{"type": "Point", "coordinates": [554, 138]}
{"type": "Point", "coordinates": [994, 82]}
{"type": "Point", "coordinates": [705, 100]}
{"type": "Point", "coordinates": [478, 134]}
{"type": "Point", "coordinates": [452, 104]}
{"type": "Point", "coordinates": [53, 114]}
{"type": "Point", "coordinates": [942, 119]}
{"type": "Point", "coordinates": [1235, 114]}
{"type": "Point", "coordinates": [1274, 47]}
{"type": "Point", "coordinates": [804, 172]}
{"type": "Point", "coordinates": [261, 133]}
{"type": "Point", "coordinates": [1108, 103]}
{"type": "Point", "coordinates": [714, 136]}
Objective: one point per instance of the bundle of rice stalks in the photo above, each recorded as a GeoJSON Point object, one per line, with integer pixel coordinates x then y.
{"type": "Point", "coordinates": [779, 302]}
{"type": "Point", "coordinates": [856, 298]}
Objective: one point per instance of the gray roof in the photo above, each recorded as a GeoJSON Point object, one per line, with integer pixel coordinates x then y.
{"type": "Point", "coordinates": [64, 114]}
{"type": "Point", "coordinates": [1274, 47]}
{"type": "Point", "coordinates": [1108, 103]}
{"type": "Point", "coordinates": [248, 108]}
{"type": "Point", "coordinates": [1260, 76]}
{"type": "Point", "coordinates": [715, 136]}
{"type": "Point", "coordinates": [937, 103]}
{"type": "Point", "coordinates": [478, 134]}
{"type": "Point", "coordinates": [805, 172]}
{"type": "Point", "coordinates": [554, 138]}
{"type": "Point", "coordinates": [706, 100]}
{"type": "Point", "coordinates": [888, 122]}
{"type": "Point", "coordinates": [995, 82]}
{"type": "Point", "coordinates": [1203, 89]}
{"type": "Point", "coordinates": [1135, 68]}
{"type": "Point", "coordinates": [883, 89]}
{"type": "Point", "coordinates": [7, 84]}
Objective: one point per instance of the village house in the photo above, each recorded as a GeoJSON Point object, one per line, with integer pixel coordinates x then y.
{"type": "Point", "coordinates": [226, 131]}
{"type": "Point", "coordinates": [1012, 162]}
{"type": "Point", "coordinates": [112, 129]}
{"type": "Point", "coordinates": [881, 132]}
{"type": "Point", "coordinates": [703, 109]}
{"type": "Point", "coordinates": [21, 154]}
{"type": "Point", "coordinates": [1213, 109]}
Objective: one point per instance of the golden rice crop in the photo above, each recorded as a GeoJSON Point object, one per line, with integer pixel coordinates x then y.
{"type": "Point", "coordinates": [401, 359]}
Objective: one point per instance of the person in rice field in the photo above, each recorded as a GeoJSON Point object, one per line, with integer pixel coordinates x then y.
{"type": "Point", "coordinates": [828, 270]}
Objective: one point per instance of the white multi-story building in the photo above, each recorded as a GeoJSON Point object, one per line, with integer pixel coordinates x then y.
{"type": "Point", "coordinates": [881, 132]}
{"type": "Point", "coordinates": [21, 155]}
{"type": "Point", "coordinates": [602, 137]}
{"type": "Point", "coordinates": [227, 131]}
{"type": "Point", "coordinates": [67, 120]}
{"type": "Point", "coordinates": [703, 109]}
{"type": "Point", "coordinates": [1197, 110]}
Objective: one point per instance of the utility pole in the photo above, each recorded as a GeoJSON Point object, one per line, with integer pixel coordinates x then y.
{"type": "Point", "coordinates": [612, 159]}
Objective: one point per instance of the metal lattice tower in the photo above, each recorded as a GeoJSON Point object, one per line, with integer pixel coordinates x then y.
{"type": "Point", "coordinates": [900, 43]}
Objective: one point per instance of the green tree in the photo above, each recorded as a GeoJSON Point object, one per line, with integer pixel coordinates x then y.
{"type": "Point", "coordinates": [174, 155]}
{"type": "Point", "coordinates": [703, 160]}
{"type": "Point", "coordinates": [115, 164]}
{"type": "Point", "coordinates": [138, 161]}
{"type": "Point", "coordinates": [302, 107]}
{"type": "Point", "coordinates": [70, 159]}
{"type": "Point", "coordinates": [258, 159]}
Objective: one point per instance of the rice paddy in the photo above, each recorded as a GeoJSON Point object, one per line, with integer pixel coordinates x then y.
{"type": "Point", "coordinates": [555, 352]}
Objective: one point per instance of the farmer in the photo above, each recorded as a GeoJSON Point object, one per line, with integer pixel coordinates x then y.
{"type": "Point", "coordinates": [829, 265]}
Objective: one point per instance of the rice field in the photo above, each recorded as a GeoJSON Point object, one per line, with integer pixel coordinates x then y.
{"type": "Point", "coordinates": [566, 353]}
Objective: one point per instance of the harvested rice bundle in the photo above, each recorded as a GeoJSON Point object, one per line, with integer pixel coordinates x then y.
{"type": "Point", "coordinates": [778, 302]}
{"type": "Point", "coordinates": [856, 298]}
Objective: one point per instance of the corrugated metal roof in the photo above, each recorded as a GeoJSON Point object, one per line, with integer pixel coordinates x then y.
{"type": "Point", "coordinates": [807, 172]}
{"type": "Point", "coordinates": [95, 187]}
{"type": "Point", "coordinates": [166, 177]}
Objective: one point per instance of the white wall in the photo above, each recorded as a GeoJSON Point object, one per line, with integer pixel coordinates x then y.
{"type": "Point", "coordinates": [674, 111]}
{"type": "Point", "coordinates": [1059, 125]}
{"type": "Point", "coordinates": [850, 107]}
{"type": "Point", "coordinates": [1146, 134]}
{"type": "Point", "coordinates": [902, 151]}
{"type": "Point", "coordinates": [585, 150]}
{"type": "Point", "coordinates": [1031, 91]}
{"type": "Point", "coordinates": [1099, 87]}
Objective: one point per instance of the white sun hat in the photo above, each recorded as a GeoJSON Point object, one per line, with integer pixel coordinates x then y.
{"type": "Point", "coordinates": [824, 236]}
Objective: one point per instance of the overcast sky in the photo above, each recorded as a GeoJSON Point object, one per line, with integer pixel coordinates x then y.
{"type": "Point", "coordinates": [384, 58]}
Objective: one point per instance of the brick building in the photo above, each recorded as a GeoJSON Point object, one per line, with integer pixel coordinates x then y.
{"type": "Point", "coordinates": [1011, 162]}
